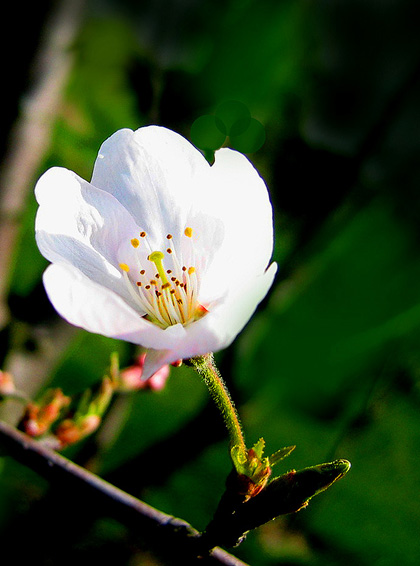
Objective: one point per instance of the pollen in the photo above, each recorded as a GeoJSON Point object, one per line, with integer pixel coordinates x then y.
{"type": "Point", "coordinates": [166, 291]}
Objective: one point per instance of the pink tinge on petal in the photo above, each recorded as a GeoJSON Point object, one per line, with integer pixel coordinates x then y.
{"type": "Point", "coordinates": [132, 377]}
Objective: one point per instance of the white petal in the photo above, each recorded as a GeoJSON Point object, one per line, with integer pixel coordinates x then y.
{"type": "Point", "coordinates": [224, 321]}
{"type": "Point", "coordinates": [83, 226]}
{"type": "Point", "coordinates": [219, 327]}
{"type": "Point", "coordinates": [97, 309]}
{"type": "Point", "coordinates": [153, 172]}
{"type": "Point", "coordinates": [237, 195]}
{"type": "Point", "coordinates": [155, 359]}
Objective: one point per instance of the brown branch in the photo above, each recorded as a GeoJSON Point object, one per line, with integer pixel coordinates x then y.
{"type": "Point", "coordinates": [171, 537]}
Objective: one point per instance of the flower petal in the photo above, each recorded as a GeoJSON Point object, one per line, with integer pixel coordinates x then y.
{"type": "Point", "coordinates": [153, 172]}
{"type": "Point", "coordinates": [80, 225]}
{"type": "Point", "coordinates": [236, 194]}
{"type": "Point", "coordinates": [155, 360]}
{"type": "Point", "coordinates": [218, 328]}
{"type": "Point", "coordinates": [91, 306]}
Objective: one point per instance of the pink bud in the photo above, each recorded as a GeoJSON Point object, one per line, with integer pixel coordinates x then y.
{"type": "Point", "coordinates": [69, 431]}
{"type": "Point", "coordinates": [39, 417]}
{"type": "Point", "coordinates": [7, 385]}
{"type": "Point", "coordinates": [131, 377]}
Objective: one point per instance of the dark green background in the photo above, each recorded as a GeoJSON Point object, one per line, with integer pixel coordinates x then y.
{"type": "Point", "coordinates": [331, 360]}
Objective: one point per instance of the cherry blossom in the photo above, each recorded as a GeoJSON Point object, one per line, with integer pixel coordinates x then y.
{"type": "Point", "coordinates": [160, 248]}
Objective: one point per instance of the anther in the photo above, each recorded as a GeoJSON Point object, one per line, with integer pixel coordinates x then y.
{"type": "Point", "coordinates": [170, 296]}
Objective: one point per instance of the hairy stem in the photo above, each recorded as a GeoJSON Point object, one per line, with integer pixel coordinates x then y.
{"type": "Point", "coordinates": [206, 367]}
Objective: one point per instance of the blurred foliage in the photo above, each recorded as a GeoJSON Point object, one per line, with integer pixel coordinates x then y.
{"type": "Point", "coordinates": [331, 360]}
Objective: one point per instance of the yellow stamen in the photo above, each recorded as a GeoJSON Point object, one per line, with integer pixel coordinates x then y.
{"type": "Point", "coordinates": [166, 296]}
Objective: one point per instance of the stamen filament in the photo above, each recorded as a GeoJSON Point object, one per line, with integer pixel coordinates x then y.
{"type": "Point", "coordinates": [166, 296]}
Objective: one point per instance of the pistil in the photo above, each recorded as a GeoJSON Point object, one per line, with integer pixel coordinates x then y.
{"type": "Point", "coordinates": [171, 296]}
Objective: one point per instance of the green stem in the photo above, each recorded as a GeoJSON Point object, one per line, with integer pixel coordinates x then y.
{"type": "Point", "coordinates": [206, 367]}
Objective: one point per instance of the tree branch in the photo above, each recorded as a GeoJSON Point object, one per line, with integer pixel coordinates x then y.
{"type": "Point", "coordinates": [30, 136]}
{"type": "Point", "coordinates": [174, 538]}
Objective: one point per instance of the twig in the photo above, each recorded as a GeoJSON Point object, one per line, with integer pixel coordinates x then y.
{"type": "Point", "coordinates": [31, 134]}
{"type": "Point", "coordinates": [163, 533]}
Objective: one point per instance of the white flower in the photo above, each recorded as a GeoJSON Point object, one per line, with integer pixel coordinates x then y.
{"type": "Point", "coordinates": [160, 248]}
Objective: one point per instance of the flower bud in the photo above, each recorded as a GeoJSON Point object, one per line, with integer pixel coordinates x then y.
{"type": "Point", "coordinates": [131, 378]}
{"type": "Point", "coordinates": [39, 416]}
{"type": "Point", "coordinates": [253, 469]}
{"type": "Point", "coordinates": [7, 385]}
{"type": "Point", "coordinates": [88, 414]}
{"type": "Point", "coordinates": [70, 431]}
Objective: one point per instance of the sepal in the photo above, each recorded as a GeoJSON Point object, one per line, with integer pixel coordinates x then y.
{"type": "Point", "coordinates": [285, 494]}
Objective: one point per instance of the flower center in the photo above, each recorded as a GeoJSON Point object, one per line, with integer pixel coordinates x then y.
{"type": "Point", "coordinates": [163, 287]}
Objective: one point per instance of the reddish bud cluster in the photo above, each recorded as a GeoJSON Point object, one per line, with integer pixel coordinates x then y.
{"type": "Point", "coordinates": [39, 417]}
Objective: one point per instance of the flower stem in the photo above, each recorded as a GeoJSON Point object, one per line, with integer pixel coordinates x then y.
{"type": "Point", "coordinates": [206, 367]}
